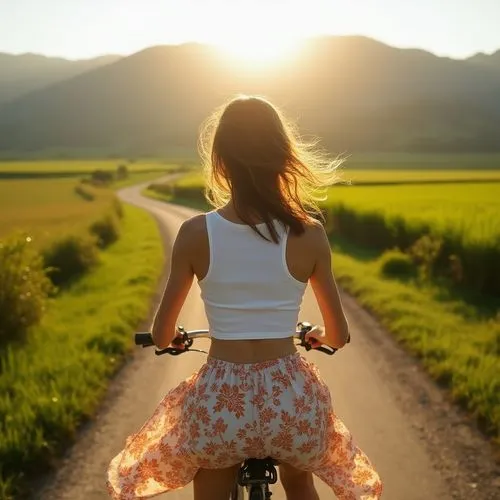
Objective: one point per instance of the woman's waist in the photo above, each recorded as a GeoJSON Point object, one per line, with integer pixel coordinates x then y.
{"type": "Point", "coordinates": [251, 350]}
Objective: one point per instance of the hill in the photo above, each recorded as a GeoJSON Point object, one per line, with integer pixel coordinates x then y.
{"type": "Point", "coordinates": [490, 60]}
{"type": "Point", "coordinates": [354, 92]}
{"type": "Point", "coordinates": [21, 74]}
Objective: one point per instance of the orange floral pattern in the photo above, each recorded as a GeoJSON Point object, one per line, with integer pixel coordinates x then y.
{"type": "Point", "coordinates": [227, 412]}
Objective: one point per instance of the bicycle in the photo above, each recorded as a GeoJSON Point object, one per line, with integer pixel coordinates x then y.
{"type": "Point", "coordinates": [255, 474]}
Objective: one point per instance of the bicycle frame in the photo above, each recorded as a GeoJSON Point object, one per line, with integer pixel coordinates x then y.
{"type": "Point", "coordinates": [255, 475]}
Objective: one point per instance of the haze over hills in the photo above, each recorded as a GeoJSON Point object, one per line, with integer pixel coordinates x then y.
{"type": "Point", "coordinates": [491, 60]}
{"type": "Point", "coordinates": [355, 93]}
{"type": "Point", "coordinates": [21, 74]}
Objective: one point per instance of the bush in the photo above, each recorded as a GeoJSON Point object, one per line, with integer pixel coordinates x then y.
{"type": "Point", "coordinates": [102, 177]}
{"type": "Point", "coordinates": [396, 264]}
{"type": "Point", "coordinates": [24, 288]}
{"type": "Point", "coordinates": [118, 207]}
{"type": "Point", "coordinates": [425, 252]}
{"type": "Point", "coordinates": [122, 172]}
{"type": "Point", "coordinates": [106, 230]}
{"type": "Point", "coordinates": [70, 257]}
{"type": "Point", "coordinates": [83, 191]}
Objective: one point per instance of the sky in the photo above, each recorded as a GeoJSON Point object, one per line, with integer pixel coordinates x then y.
{"type": "Point", "coordinates": [78, 29]}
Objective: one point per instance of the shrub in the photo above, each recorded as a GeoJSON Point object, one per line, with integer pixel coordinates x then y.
{"type": "Point", "coordinates": [396, 264]}
{"type": "Point", "coordinates": [70, 257]}
{"type": "Point", "coordinates": [118, 207]}
{"type": "Point", "coordinates": [166, 188]}
{"type": "Point", "coordinates": [83, 191]}
{"type": "Point", "coordinates": [24, 288]}
{"type": "Point", "coordinates": [424, 252]}
{"type": "Point", "coordinates": [106, 230]}
{"type": "Point", "coordinates": [122, 172]}
{"type": "Point", "coordinates": [102, 177]}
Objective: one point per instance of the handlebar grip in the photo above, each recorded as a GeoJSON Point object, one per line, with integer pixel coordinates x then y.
{"type": "Point", "coordinates": [144, 338]}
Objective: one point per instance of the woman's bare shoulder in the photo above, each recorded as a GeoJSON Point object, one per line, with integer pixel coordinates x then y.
{"type": "Point", "coordinates": [314, 231]}
{"type": "Point", "coordinates": [194, 228]}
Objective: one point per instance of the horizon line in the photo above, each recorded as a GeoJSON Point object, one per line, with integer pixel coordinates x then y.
{"type": "Point", "coordinates": [212, 44]}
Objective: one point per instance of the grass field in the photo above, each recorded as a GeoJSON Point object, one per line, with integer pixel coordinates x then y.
{"type": "Point", "coordinates": [354, 176]}
{"type": "Point", "coordinates": [47, 208]}
{"type": "Point", "coordinates": [80, 167]}
{"type": "Point", "coordinates": [423, 161]}
{"type": "Point", "coordinates": [471, 210]}
{"type": "Point", "coordinates": [54, 381]}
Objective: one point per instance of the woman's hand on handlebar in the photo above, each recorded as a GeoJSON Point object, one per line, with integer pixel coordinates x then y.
{"type": "Point", "coordinates": [178, 340]}
{"type": "Point", "coordinates": [316, 336]}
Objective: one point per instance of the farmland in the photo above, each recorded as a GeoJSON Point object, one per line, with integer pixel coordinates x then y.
{"type": "Point", "coordinates": [45, 393]}
{"type": "Point", "coordinates": [470, 211]}
{"type": "Point", "coordinates": [41, 199]}
{"type": "Point", "coordinates": [74, 168]}
{"type": "Point", "coordinates": [348, 176]}
{"type": "Point", "coordinates": [45, 208]}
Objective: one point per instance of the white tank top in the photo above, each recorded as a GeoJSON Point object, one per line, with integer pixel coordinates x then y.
{"type": "Point", "coordinates": [248, 290]}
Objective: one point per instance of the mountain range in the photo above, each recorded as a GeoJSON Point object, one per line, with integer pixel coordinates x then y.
{"type": "Point", "coordinates": [354, 93]}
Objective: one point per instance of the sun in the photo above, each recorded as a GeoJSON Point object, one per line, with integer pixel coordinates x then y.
{"type": "Point", "coordinates": [258, 49]}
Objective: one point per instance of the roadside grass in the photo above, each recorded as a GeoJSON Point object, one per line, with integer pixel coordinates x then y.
{"type": "Point", "coordinates": [138, 177]}
{"type": "Point", "coordinates": [54, 381]}
{"type": "Point", "coordinates": [198, 204]}
{"type": "Point", "coordinates": [457, 343]}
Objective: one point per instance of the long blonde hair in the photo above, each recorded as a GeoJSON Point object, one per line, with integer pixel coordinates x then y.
{"type": "Point", "coordinates": [254, 157]}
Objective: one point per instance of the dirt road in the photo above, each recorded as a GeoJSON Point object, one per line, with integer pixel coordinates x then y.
{"type": "Point", "coordinates": [423, 448]}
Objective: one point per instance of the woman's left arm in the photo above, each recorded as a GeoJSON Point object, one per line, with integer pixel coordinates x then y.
{"type": "Point", "coordinates": [178, 285]}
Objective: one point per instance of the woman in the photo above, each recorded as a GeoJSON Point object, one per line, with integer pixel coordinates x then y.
{"type": "Point", "coordinates": [256, 396]}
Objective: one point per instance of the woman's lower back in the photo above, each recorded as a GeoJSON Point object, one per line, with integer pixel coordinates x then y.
{"type": "Point", "coordinates": [251, 351]}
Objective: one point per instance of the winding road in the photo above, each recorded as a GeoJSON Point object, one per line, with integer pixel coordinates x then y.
{"type": "Point", "coordinates": [422, 446]}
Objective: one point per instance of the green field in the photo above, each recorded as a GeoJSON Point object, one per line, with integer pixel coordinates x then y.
{"type": "Point", "coordinates": [79, 167]}
{"type": "Point", "coordinates": [423, 161]}
{"type": "Point", "coordinates": [47, 208]}
{"type": "Point", "coordinates": [470, 210]}
{"type": "Point", "coordinates": [356, 176]}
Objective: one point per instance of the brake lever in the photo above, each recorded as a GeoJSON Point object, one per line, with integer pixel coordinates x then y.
{"type": "Point", "coordinates": [181, 340]}
{"type": "Point", "coordinates": [173, 351]}
{"type": "Point", "coordinates": [326, 349]}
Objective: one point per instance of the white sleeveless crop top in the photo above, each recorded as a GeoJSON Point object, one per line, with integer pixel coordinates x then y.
{"type": "Point", "coordinates": [248, 290]}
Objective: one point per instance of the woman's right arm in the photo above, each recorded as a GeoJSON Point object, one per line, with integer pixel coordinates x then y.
{"type": "Point", "coordinates": [325, 289]}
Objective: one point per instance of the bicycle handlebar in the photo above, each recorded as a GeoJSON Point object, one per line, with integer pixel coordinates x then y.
{"type": "Point", "coordinates": [146, 340]}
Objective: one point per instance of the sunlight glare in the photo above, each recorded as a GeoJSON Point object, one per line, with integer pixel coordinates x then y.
{"type": "Point", "coordinates": [259, 49]}
{"type": "Point", "coordinates": [258, 33]}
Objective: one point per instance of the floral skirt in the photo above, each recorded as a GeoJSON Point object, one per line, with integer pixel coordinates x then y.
{"type": "Point", "coordinates": [228, 412]}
